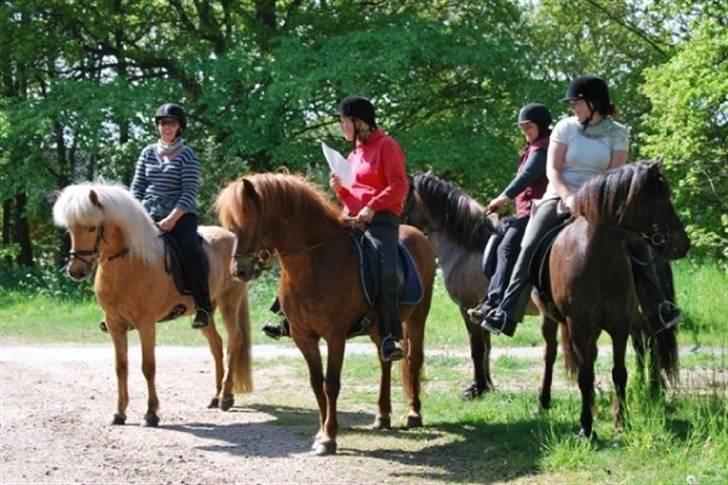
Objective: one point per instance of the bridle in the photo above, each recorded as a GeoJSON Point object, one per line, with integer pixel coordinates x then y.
{"type": "Point", "coordinates": [90, 257]}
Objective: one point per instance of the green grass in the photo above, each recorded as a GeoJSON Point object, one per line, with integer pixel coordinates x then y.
{"type": "Point", "coordinates": [39, 314]}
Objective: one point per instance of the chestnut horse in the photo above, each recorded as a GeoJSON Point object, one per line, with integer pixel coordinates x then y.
{"type": "Point", "coordinates": [110, 229]}
{"type": "Point", "coordinates": [592, 282]}
{"type": "Point", "coordinates": [320, 289]}
{"type": "Point", "coordinates": [459, 229]}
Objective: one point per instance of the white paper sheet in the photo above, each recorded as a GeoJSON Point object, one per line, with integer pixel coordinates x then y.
{"type": "Point", "coordinates": [338, 165]}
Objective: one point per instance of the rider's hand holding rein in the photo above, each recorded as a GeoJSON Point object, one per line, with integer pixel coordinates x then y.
{"type": "Point", "coordinates": [168, 223]}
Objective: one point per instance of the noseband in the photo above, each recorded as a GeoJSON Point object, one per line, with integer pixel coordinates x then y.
{"type": "Point", "coordinates": [89, 257]}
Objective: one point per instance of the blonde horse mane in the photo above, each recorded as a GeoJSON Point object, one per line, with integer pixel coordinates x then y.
{"type": "Point", "coordinates": [116, 205]}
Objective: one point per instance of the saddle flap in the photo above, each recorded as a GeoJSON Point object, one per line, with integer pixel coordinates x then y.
{"type": "Point", "coordinates": [175, 262]}
{"type": "Point", "coordinates": [411, 290]}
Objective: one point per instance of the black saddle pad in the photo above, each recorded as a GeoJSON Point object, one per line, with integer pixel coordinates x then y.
{"type": "Point", "coordinates": [175, 262]}
{"type": "Point", "coordinates": [539, 269]}
{"type": "Point", "coordinates": [410, 283]}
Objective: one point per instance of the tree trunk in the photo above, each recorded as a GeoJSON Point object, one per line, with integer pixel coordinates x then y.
{"type": "Point", "coordinates": [22, 231]}
{"type": "Point", "coordinates": [7, 227]}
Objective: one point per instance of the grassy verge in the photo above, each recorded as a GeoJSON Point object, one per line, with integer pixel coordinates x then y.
{"type": "Point", "coordinates": [36, 313]}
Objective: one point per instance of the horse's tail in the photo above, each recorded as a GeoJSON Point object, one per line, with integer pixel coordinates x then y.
{"type": "Point", "coordinates": [665, 349]}
{"type": "Point", "coordinates": [241, 365]}
{"type": "Point", "coordinates": [570, 354]}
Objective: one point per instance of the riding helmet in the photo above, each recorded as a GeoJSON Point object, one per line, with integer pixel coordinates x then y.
{"type": "Point", "coordinates": [537, 114]}
{"type": "Point", "coordinates": [358, 107]}
{"type": "Point", "coordinates": [172, 110]}
{"type": "Point", "coordinates": [588, 88]}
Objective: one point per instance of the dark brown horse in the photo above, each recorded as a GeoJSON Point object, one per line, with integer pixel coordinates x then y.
{"type": "Point", "coordinates": [592, 281]}
{"type": "Point", "coordinates": [320, 290]}
{"type": "Point", "coordinates": [458, 228]}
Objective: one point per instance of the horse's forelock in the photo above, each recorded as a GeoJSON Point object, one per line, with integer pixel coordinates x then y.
{"type": "Point", "coordinates": [229, 204]}
{"type": "Point", "coordinates": [74, 207]}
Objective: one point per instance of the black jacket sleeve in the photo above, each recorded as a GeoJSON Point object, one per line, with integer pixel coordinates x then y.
{"type": "Point", "coordinates": [532, 169]}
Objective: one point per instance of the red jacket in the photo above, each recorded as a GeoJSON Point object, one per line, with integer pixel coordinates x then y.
{"type": "Point", "coordinates": [380, 180]}
{"type": "Point", "coordinates": [524, 200]}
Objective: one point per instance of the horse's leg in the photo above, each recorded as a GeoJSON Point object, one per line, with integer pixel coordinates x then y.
{"type": "Point", "coordinates": [619, 378]}
{"type": "Point", "coordinates": [327, 442]}
{"type": "Point", "coordinates": [309, 348]}
{"type": "Point", "coordinates": [412, 363]}
{"type": "Point", "coordinates": [147, 337]}
{"type": "Point", "coordinates": [383, 419]}
{"type": "Point", "coordinates": [638, 344]}
{"type": "Point", "coordinates": [549, 328]}
{"type": "Point", "coordinates": [118, 332]}
{"type": "Point", "coordinates": [214, 341]}
{"type": "Point", "coordinates": [480, 354]}
{"type": "Point", "coordinates": [586, 386]}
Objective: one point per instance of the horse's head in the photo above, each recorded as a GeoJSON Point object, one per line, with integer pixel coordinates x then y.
{"type": "Point", "coordinates": [660, 226]}
{"type": "Point", "coordinates": [86, 231]}
{"type": "Point", "coordinates": [636, 197]}
{"type": "Point", "coordinates": [414, 212]}
{"type": "Point", "coordinates": [239, 209]}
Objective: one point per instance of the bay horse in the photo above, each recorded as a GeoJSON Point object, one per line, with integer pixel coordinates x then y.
{"type": "Point", "coordinates": [320, 288]}
{"type": "Point", "coordinates": [592, 281]}
{"type": "Point", "coordinates": [111, 231]}
{"type": "Point", "coordinates": [459, 229]}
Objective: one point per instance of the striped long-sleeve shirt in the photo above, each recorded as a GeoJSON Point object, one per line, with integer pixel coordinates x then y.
{"type": "Point", "coordinates": [164, 185]}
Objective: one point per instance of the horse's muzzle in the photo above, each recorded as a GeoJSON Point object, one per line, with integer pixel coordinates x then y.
{"type": "Point", "coordinates": [78, 273]}
{"type": "Point", "coordinates": [245, 271]}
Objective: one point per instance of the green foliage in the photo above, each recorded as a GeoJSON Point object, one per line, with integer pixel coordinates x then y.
{"type": "Point", "coordinates": [688, 125]}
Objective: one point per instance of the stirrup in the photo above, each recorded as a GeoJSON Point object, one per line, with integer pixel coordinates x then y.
{"type": "Point", "coordinates": [494, 321]}
{"type": "Point", "coordinates": [668, 308]}
{"type": "Point", "coordinates": [394, 353]}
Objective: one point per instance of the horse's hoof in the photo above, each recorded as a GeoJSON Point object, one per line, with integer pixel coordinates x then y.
{"type": "Point", "coordinates": [583, 434]}
{"type": "Point", "coordinates": [323, 448]}
{"type": "Point", "coordinates": [414, 421]}
{"type": "Point", "coordinates": [151, 420]}
{"type": "Point", "coordinates": [118, 419]}
{"type": "Point", "coordinates": [227, 403]}
{"type": "Point", "coordinates": [471, 392]}
{"type": "Point", "coordinates": [382, 423]}
{"type": "Point", "coordinates": [545, 403]}
{"type": "Point", "coordinates": [214, 403]}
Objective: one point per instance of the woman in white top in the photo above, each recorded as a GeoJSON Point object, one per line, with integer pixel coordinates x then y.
{"type": "Point", "coordinates": [581, 146]}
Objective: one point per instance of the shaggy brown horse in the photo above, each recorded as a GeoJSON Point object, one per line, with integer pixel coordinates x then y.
{"type": "Point", "coordinates": [458, 228]}
{"type": "Point", "coordinates": [592, 282]}
{"type": "Point", "coordinates": [111, 229]}
{"type": "Point", "coordinates": [320, 289]}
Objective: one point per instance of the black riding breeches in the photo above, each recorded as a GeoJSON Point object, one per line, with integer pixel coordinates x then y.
{"type": "Point", "coordinates": [383, 233]}
{"type": "Point", "coordinates": [196, 266]}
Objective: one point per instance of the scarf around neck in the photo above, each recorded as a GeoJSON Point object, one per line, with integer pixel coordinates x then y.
{"type": "Point", "coordinates": [167, 151]}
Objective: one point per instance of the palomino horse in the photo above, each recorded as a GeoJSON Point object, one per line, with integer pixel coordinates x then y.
{"type": "Point", "coordinates": [458, 229]}
{"type": "Point", "coordinates": [111, 229]}
{"type": "Point", "coordinates": [592, 280]}
{"type": "Point", "coordinates": [320, 288]}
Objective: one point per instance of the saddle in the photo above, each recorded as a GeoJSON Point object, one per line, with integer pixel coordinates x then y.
{"type": "Point", "coordinates": [411, 290]}
{"type": "Point", "coordinates": [175, 264]}
{"type": "Point", "coordinates": [540, 272]}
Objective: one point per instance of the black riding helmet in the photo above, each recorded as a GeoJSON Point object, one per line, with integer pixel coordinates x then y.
{"type": "Point", "coordinates": [591, 89]}
{"type": "Point", "coordinates": [537, 114]}
{"type": "Point", "coordinates": [171, 110]}
{"type": "Point", "coordinates": [358, 107]}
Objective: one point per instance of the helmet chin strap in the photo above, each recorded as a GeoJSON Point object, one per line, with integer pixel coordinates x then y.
{"type": "Point", "coordinates": [585, 123]}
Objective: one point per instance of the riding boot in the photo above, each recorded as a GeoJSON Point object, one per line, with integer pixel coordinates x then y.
{"type": "Point", "coordinates": [276, 330]}
{"type": "Point", "coordinates": [204, 308]}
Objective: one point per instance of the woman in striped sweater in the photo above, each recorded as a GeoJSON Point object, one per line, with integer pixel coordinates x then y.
{"type": "Point", "coordinates": [167, 181]}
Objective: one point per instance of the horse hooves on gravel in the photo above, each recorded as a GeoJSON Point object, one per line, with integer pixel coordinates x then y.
{"type": "Point", "coordinates": [414, 422]}
{"type": "Point", "coordinates": [214, 403]}
{"type": "Point", "coordinates": [151, 420]}
{"type": "Point", "coordinates": [118, 419]}
{"type": "Point", "coordinates": [382, 423]}
{"type": "Point", "coordinates": [227, 403]}
{"type": "Point", "coordinates": [324, 448]}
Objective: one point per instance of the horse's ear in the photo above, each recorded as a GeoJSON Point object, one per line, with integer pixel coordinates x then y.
{"type": "Point", "coordinates": [249, 193]}
{"type": "Point", "coordinates": [94, 198]}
